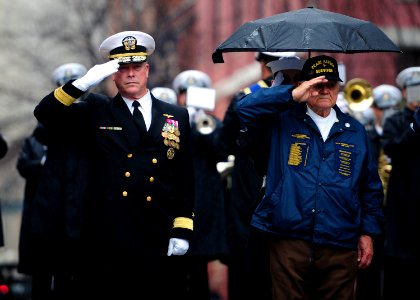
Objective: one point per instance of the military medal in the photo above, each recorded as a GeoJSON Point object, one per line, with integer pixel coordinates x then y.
{"type": "Point", "coordinates": [170, 153]}
{"type": "Point", "coordinates": [170, 133]}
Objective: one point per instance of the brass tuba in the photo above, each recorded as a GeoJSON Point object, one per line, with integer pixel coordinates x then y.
{"type": "Point", "coordinates": [358, 93]}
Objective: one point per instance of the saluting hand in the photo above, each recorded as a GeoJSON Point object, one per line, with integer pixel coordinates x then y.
{"type": "Point", "coordinates": [305, 89]}
{"type": "Point", "coordinates": [96, 74]}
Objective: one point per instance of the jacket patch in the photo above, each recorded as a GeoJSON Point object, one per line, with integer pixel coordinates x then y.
{"type": "Point", "coordinates": [299, 150]}
{"type": "Point", "coordinates": [344, 158]}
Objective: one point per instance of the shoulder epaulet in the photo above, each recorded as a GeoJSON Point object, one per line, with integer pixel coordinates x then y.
{"type": "Point", "coordinates": [254, 87]}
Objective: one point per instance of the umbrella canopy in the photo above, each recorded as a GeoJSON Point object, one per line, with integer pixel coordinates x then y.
{"type": "Point", "coordinates": [305, 30]}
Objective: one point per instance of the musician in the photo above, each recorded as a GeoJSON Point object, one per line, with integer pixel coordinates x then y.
{"type": "Point", "coordinates": [208, 243]}
{"type": "Point", "coordinates": [402, 215]}
{"type": "Point", "coordinates": [386, 99]}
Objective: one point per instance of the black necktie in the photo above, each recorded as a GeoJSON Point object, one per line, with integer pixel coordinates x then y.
{"type": "Point", "coordinates": [138, 118]}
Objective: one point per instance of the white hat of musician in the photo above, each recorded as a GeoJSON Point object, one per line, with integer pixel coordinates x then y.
{"type": "Point", "coordinates": [67, 72]}
{"type": "Point", "coordinates": [386, 96]}
{"type": "Point", "coordinates": [190, 78]}
{"type": "Point", "coordinates": [408, 76]}
{"type": "Point", "coordinates": [165, 94]}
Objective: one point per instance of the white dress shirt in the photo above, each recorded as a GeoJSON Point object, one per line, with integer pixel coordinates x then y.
{"type": "Point", "coordinates": [145, 107]}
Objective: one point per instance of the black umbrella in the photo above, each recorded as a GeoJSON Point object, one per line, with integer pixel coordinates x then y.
{"type": "Point", "coordinates": [308, 29]}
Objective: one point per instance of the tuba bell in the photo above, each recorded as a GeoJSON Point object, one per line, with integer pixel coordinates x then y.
{"type": "Point", "coordinates": [358, 93]}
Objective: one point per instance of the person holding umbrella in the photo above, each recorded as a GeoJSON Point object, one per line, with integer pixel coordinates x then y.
{"type": "Point", "coordinates": [322, 204]}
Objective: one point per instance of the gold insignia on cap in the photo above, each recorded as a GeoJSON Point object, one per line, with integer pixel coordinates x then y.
{"type": "Point", "coordinates": [129, 43]}
{"type": "Point", "coordinates": [191, 80]}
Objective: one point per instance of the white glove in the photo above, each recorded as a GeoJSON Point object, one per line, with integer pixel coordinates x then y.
{"type": "Point", "coordinates": [178, 246]}
{"type": "Point", "coordinates": [96, 74]}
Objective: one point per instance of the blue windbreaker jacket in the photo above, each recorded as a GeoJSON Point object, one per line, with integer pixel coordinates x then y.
{"type": "Point", "coordinates": [326, 193]}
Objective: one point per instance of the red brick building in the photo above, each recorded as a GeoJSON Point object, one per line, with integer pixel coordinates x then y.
{"type": "Point", "coordinates": [200, 26]}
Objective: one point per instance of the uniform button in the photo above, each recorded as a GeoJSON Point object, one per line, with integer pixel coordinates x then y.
{"type": "Point", "coordinates": [148, 198]}
{"type": "Point", "coordinates": [313, 210]}
{"type": "Point", "coordinates": [154, 160]}
{"type": "Point", "coordinates": [127, 174]}
{"type": "Point", "coordinates": [125, 194]}
{"type": "Point", "coordinates": [151, 179]}
{"type": "Point", "coordinates": [129, 155]}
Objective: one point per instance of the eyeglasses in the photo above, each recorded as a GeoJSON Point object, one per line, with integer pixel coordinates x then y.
{"type": "Point", "coordinates": [328, 85]}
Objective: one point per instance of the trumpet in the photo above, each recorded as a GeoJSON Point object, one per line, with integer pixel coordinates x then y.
{"type": "Point", "coordinates": [358, 93]}
{"type": "Point", "coordinates": [204, 123]}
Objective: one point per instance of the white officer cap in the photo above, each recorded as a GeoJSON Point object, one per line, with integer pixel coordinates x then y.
{"type": "Point", "coordinates": [407, 77]}
{"type": "Point", "coordinates": [66, 72]}
{"type": "Point", "coordinates": [386, 96]}
{"type": "Point", "coordinates": [128, 47]}
{"type": "Point", "coordinates": [165, 94]}
{"type": "Point", "coordinates": [191, 78]}
{"type": "Point", "coordinates": [286, 63]}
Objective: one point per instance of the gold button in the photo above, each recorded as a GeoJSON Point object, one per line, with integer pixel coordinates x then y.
{"type": "Point", "coordinates": [127, 174]}
{"type": "Point", "coordinates": [125, 194]}
{"type": "Point", "coordinates": [151, 179]}
{"type": "Point", "coordinates": [129, 155]}
{"type": "Point", "coordinates": [149, 198]}
{"type": "Point", "coordinates": [154, 160]}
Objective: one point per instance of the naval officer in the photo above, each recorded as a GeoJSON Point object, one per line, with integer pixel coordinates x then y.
{"type": "Point", "coordinates": [140, 208]}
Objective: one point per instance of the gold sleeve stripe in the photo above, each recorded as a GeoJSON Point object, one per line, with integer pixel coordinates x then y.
{"type": "Point", "coordinates": [183, 223]}
{"type": "Point", "coordinates": [63, 97]}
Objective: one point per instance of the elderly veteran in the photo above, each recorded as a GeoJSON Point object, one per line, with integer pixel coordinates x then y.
{"type": "Point", "coordinates": [140, 206]}
{"type": "Point", "coordinates": [322, 204]}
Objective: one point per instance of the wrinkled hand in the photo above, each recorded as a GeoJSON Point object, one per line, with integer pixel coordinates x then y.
{"type": "Point", "coordinates": [178, 246]}
{"type": "Point", "coordinates": [364, 251]}
{"type": "Point", "coordinates": [305, 90]}
{"type": "Point", "coordinates": [96, 74]}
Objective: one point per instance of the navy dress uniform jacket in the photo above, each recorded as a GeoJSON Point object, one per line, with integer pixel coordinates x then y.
{"type": "Point", "coordinates": [141, 192]}
{"type": "Point", "coordinates": [325, 193]}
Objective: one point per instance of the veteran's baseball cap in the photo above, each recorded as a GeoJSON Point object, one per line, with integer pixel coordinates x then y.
{"type": "Point", "coordinates": [321, 65]}
{"type": "Point", "coordinates": [128, 47]}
